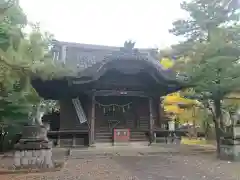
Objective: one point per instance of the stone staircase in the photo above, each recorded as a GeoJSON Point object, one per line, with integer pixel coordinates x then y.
{"type": "Point", "coordinates": [138, 136]}
{"type": "Point", "coordinates": [143, 122]}
{"type": "Point", "coordinates": [130, 123]}
{"type": "Point", "coordinates": [103, 135]}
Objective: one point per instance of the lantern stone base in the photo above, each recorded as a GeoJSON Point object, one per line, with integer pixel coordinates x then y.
{"type": "Point", "coordinates": [33, 158]}
{"type": "Point", "coordinates": [34, 150]}
{"type": "Point", "coordinates": [230, 144]}
{"type": "Point", "coordinates": [230, 152]}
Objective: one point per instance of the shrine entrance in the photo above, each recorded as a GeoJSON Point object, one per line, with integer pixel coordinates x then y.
{"type": "Point", "coordinates": [116, 112]}
{"type": "Point", "coordinates": [121, 112]}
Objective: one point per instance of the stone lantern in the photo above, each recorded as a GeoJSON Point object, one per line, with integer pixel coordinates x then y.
{"type": "Point", "coordinates": [230, 142]}
{"type": "Point", "coordinates": [34, 148]}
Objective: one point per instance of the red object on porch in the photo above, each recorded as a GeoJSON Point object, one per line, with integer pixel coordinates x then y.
{"type": "Point", "coordinates": [121, 135]}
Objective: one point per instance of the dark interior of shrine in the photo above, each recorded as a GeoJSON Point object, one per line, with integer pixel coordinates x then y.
{"type": "Point", "coordinates": [120, 112]}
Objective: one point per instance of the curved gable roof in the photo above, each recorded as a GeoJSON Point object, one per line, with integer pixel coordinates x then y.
{"type": "Point", "coordinates": [88, 58]}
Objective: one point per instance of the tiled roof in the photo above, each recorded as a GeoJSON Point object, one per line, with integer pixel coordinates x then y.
{"type": "Point", "coordinates": [86, 55]}
{"type": "Point", "coordinates": [88, 58]}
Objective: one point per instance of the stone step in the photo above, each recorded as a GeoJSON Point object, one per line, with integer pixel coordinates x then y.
{"type": "Point", "coordinates": [137, 139]}
{"type": "Point", "coordinates": [103, 140]}
{"type": "Point", "coordinates": [104, 133]}
{"type": "Point", "coordinates": [103, 136]}
{"type": "Point", "coordinates": [103, 144]}
{"type": "Point", "coordinates": [138, 136]}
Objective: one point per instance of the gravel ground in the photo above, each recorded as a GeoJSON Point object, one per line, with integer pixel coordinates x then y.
{"type": "Point", "coordinates": [162, 167]}
{"type": "Point", "coordinates": [179, 167]}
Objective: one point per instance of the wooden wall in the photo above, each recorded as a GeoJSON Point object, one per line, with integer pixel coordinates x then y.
{"type": "Point", "coordinates": [137, 116]}
{"type": "Point", "coordinates": [68, 116]}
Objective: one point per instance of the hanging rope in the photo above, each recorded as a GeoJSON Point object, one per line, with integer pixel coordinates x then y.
{"type": "Point", "coordinates": [110, 105]}
{"type": "Point", "coordinates": [114, 106]}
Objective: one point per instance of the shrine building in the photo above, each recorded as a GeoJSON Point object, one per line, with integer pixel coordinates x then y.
{"type": "Point", "coordinates": [115, 89]}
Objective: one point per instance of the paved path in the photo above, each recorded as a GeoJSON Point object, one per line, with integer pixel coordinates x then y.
{"type": "Point", "coordinates": [161, 167]}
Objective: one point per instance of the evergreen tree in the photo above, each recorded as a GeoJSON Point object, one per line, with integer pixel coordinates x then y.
{"type": "Point", "coordinates": [210, 54]}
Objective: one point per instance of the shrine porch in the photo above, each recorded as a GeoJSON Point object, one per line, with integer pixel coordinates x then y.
{"type": "Point", "coordinates": [80, 138]}
{"type": "Point", "coordinates": [139, 115]}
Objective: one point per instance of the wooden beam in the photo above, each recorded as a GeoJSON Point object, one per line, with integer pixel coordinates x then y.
{"type": "Point", "coordinates": [159, 119]}
{"type": "Point", "coordinates": [151, 120]}
{"type": "Point", "coordinates": [118, 93]}
{"type": "Point", "coordinates": [92, 123]}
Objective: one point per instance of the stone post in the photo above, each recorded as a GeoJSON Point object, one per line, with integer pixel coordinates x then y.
{"type": "Point", "coordinates": [58, 140]}
{"type": "Point", "coordinates": [74, 140]}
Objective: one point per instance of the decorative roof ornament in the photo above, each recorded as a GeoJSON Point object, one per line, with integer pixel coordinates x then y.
{"type": "Point", "coordinates": [129, 45]}
{"type": "Point", "coordinates": [128, 51]}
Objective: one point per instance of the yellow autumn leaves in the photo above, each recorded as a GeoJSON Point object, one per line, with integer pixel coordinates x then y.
{"type": "Point", "coordinates": [172, 101]}
{"type": "Point", "coordinates": [166, 63]}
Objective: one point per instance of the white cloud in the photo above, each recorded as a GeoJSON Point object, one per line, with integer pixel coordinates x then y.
{"type": "Point", "coordinates": [106, 22]}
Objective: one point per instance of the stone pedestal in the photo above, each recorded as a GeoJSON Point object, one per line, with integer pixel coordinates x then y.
{"type": "Point", "coordinates": [34, 150]}
{"type": "Point", "coordinates": [230, 145]}
{"type": "Point", "coordinates": [230, 152]}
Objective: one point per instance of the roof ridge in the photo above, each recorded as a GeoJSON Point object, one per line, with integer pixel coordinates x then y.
{"type": "Point", "coordinates": [98, 46]}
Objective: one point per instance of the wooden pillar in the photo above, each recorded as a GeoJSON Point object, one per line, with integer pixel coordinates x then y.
{"type": "Point", "coordinates": [92, 122]}
{"type": "Point", "coordinates": [151, 120]}
{"type": "Point", "coordinates": [159, 113]}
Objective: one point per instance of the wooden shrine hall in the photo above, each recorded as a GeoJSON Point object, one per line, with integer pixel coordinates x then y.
{"type": "Point", "coordinates": [114, 89]}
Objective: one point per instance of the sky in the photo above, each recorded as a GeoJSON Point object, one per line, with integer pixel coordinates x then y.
{"type": "Point", "coordinates": [107, 22]}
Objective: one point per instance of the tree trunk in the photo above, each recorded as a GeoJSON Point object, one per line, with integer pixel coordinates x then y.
{"type": "Point", "coordinates": [217, 120]}
{"type": "Point", "coordinates": [194, 122]}
{"type": "Point", "coordinates": [218, 134]}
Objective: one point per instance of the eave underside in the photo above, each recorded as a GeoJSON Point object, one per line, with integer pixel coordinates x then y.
{"type": "Point", "coordinates": [105, 86]}
{"type": "Point", "coordinates": [118, 75]}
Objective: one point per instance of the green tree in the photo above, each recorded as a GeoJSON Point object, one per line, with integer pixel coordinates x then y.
{"type": "Point", "coordinates": [22, 57]}
{"type": "Point", "coordinates": [210, 53]}
{"type": "Point", "coordinates": [205, 15]}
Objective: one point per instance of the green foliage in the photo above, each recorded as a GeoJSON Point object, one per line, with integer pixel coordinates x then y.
{"type": "Point", "coordinates": [231, 105]}
{"type": "Point", "coordinates": [204, 16]}
{"type": "Point", "coordinates": [209, 57]}
{"type": "Point", "coordinates": [214, 69]}
{"type": "Point", "coordinates": [15, 106]}
{"type": "Point", "coordinates": [22, 57]}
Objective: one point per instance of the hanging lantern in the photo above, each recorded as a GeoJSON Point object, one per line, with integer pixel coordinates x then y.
{"type": "Point", "coordinates": [113, 108]}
